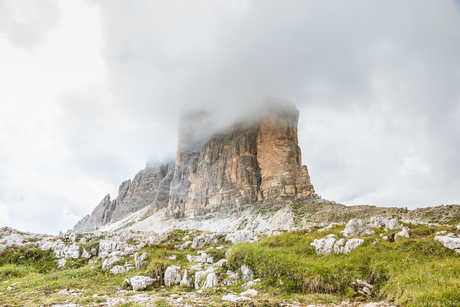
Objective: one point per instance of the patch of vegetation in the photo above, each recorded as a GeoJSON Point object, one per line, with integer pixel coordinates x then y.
{"type": "Point", "coordinates": [428, 271]}
{"type": "Point", "coordinates": [42, 261]}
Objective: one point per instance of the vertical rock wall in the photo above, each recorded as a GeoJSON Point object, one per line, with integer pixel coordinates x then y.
{"type": "Point", "coordinates": [248, 165]}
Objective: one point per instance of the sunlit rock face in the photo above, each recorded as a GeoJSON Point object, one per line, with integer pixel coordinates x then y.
{"type": "Point", "coordinates": [254, 163]}
{"type": "Point", "coordinates": [251, 164]}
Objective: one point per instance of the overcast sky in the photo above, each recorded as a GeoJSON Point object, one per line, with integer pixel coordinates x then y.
{"type": "Point", "coordinates": [89, 90]}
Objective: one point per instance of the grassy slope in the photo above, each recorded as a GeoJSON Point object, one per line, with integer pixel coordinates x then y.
{"type": "Point", "coordinates": [409, 270]}
{"type": "Point", "coordinates": [406, 271]}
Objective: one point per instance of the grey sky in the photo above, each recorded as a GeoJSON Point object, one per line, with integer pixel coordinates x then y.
{"type": "Point", "coordinates": [376, 83]}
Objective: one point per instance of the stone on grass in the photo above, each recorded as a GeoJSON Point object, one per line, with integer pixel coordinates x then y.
{"type": "Point", "coordinates": [403, 233]}
{"type": "Point", "coordinates": [357, 227]}
{"type": "Point", "coordinates": [449, 242]}
{"type": "Point", "coordinates": [109, 261]}
{"type": "Point", "coordinates": [249, 292]}
{"type": "Point", "coordinates": [61, 263]}
{"type": "Point", "coordinates": [185, 280]}
{"type": "Point", "coordinates": [118, 269]}
{"type": "Point", "coordinates": [211, 281]}
{"type": "Point", "coordinates": [248, 274]}
{"type": "Point", "coordinates": [85, 254]}
{"type": "Point", "coordinates": [140, 282]}
{"type": "Point", "coordinates": [172, 275]}
{"type": "Point", "coordinates": [326, 246]}
{"type": "Point", "coordinates": [234, 298]}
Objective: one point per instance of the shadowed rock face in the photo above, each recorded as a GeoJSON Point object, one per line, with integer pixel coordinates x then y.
{"type": "Point", "coordinates": [253, 163]}
{"type": "Point", "coordinates": [98, 218]}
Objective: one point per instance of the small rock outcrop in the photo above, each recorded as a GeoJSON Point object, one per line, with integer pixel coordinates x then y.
{"type": "Point", "coordinates": [172, 275]}
{"type": "Point", "coordinates": [449, 241]}
{"type": "Point", "coordinates": [357, 227]}
{"type": "Point", "coordinates": [329, 245]}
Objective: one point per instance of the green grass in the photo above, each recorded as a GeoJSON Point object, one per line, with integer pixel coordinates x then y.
{"type": "Point", "coordinates": [405, 271]}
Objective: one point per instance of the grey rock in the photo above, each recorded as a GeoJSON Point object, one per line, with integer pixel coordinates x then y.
{"type": "Point", "coordinates": [109, 262]}
{"type": "Point", "coordinates": [211, 281]}
{"type": "Point", "coordinates": [117, 269]}
{"type": "Point", "coordinates": [326, 246]}
{"type": "Point", "coordinates": [357, 227]}
{"type": "Point", "coordinates": [403, 233]}
{"type": "Point", "coordinates": [242, 236]}
{"type": "Point", "coordinates": [172, 275]}
{"type": "Point", "coordinates": [248, 274]}
{"type": "Point", "coordinates": [449, 242]}
{"type": "Point", "coordinates": [140, 282]}
{"type": "Point", "coordinates": [185, 280]}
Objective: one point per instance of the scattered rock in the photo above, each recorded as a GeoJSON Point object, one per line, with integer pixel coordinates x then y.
{"type": "Point", "coordinates": [357, 227]}
{"type": "Point", "coordinates": [248, 274]}
{"type": "Point", "coordinates": [449, 242]}
{"type": "Point", "coordinates": [185, 280]}
{"type": "Point", "coordinates": [211, 281]}
{"type": "Point", "coordinates": [172, 275]}
{"type": "Point", "coordinates": [118, 269]}
{"type": "Point", "coordinates": [234, 298]}
{"type": "Point", "coordinates": [61, 263]}
{"type": "Point", "coordinates": [403, 233]}
{"type": "Point", "coordinates": [250, 292]}
{"type": "Point", "coordinates": [326, 246]}
{"type": "Point", "coordinates": [140, 282]}
{"type": "Point", "coordinates": [242, 236]}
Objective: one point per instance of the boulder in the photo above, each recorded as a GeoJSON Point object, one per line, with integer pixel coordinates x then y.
{"type": "Point", "coordinates": [234, 298]}
{"type": "Point", "coordinates": [357, 227]}
{"type": "Point", "coordinates": [326, 246]}
{"type": "Point", "coordinates": [140, 282]}
{"type": "Point", "coordinates": [199, 275]}
{"type": "Point", "coordinates": [403, 233]}
{"type": "Point", "coordinates": [242, 236]}
{"type": "Point", "coordinates": [185, 280]}
{"type": "Point", "coordinates": [109, 261]}
{"type": "Point", "coordinates": [140, 260]}
{"type": "Point", "coordinates": [393, 224]}
{"type": "Point", "coordinates": [249, 292]}
{"type": "Point", "coordinates": [117, 269]}
{"type": "Point", "coordinates": [206, 238]}
{"type": "Point", "coordinates": [248, 274]}
{"type": "Point", "coordinates": [172, 275]}
{"type": "Point", "coordinates": [211, 281]}
{"type": "Point", "coordinates": [85, 254]}
{"type": "Point", "coordinates": [449, 242]}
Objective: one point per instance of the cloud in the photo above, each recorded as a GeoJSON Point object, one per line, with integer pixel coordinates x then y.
{"type": "Point", "coordinates": [26, 23]}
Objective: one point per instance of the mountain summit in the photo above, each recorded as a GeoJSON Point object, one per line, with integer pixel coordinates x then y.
{"type": "Point", "coordinates": [254, 163]}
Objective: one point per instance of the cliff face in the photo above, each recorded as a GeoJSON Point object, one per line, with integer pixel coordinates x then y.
{"type": "Point", "coordinates": [251, 164]}
{"type": "Point", "coordinates": [256, 164]}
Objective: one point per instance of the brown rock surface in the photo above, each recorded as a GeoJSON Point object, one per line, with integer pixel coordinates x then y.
{"type": "Point", "coordinates": [251, 164]}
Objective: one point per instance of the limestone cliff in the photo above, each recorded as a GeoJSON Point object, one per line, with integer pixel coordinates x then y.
{"type": "Point", "coordinates": [147, 188]}
{"type": "Point", "coordinates": [252, 164]}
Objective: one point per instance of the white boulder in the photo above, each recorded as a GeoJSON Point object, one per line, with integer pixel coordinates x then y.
{"type": "Point", "coordinates": [248, 274]}
{"type": "Point", "coordinates": [357, 227]}
{"type": "Point", "coordinates": [172, 275]}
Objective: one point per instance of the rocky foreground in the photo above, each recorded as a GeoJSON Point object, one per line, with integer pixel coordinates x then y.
{"type": "Point", "coordinates": [192, 268]}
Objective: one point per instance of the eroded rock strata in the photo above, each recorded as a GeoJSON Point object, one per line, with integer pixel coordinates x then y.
{"type": "Point", "coordinates": [254, 163]}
